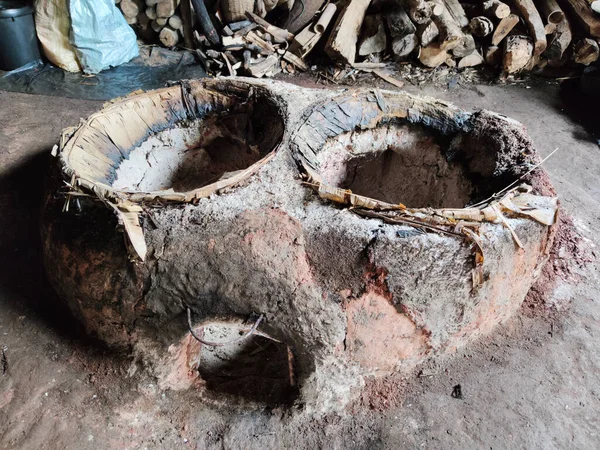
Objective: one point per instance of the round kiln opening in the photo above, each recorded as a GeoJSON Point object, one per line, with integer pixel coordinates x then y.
{"type": "Point", "coordinates": [396, 163]}
{"type": "Point", "coordinates": [258, 368]}
{"type": "Point", "coordinates": [200, 152]}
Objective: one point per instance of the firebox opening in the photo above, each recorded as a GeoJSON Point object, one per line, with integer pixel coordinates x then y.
{"type": "Point", "coordinates": [398, 163]}
{"type": "Point", "coordinates": [258, 369]}
{"type": "Point", "coordinates": [199, 152]}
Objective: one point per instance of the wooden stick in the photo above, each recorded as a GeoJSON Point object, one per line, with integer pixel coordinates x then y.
{"type": "Point", "coordinates": [517, 53]}
{"type": "Point", "coordinates": [534, 24]}
{"type": "Point", "coordinates": [279, 35]}
{"type": "Point", "coordinates": [551, 11]}
{"type": "Point", "coordinates": [504, 27]}
{"type": "Point", "coordinates": [384, 76]}
{"type": "Point", "coordinates": [186, 18]}
{"type": "Point", "coordinates": [585, 16]}
{"type": "Point", "coordinates": [341, 45]}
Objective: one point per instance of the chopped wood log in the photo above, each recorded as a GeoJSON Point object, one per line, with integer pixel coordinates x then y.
{"type": "Point", "coordinates": [230, 40]}
{"type": "Point", "coordinates": [585, 51]}
{"type": "Point", "coordinates": [466, 47]}
{"type": "Point", "coordinates": [399, 24]}
{"type": "Point", "coordinates": [585, 16]}
{"type": "Point", "coordinates": [427, 32]}
{"type": "Point", "coordinates": [437, 7]}
{"type": "Point", "coordinates": [130, 9]}
{"type": "Point", "coordinates": [419, 10]}
{"type": "Point", "coordinates": [373, 38]}
{"type": "Point", "coordinates": [457, 12]}
{"type": "Point", "coordinates": [175, 22]}
{"type": "Point", "coordinates": [534, 24]}
{"type": "Point", "coordinates": [517, 53]}
{"type": "Point", "coordinates": [156, 26]}
{"type": "Point", "coordinates": [166, 8]}
{"type": "Point", "coordinates": [451, 36]}
{"type": "Point", "coordinates": [151, 13]}
{"type": "Point", "coordinates": [325, 18]}
{"type": "Point", "coordinates": [550, 10]}
{"type": "Point", "coordinates": [493, 55]}
{"type": "Point", "coordinates": [131, 20]}
{"type": "Point", "coordinates": [404, 46]}
{"type": "Point", "coordinates": [185, 9]}
{"type": "Point", "coordinates": [433, 55]}
{"type": "Point", "coordinates": [253, 38]}
{"type": "Point", "coordinates": [481, 26]}
{"type": "Point", "coordinates": [560, 41]}
{"type": "Point", "coordinates": [266, 67]}
{"type": "Point", "coordinates": [168, 37]}
{"type": "Point", "coordinates": [162, 21]}
{"type": "Point", "coordinates": [247, 59]}
{"type": "Point", "coordinates": [151, 2]}
{"type": "Point", "coordinates": [495, 9]}
{"type": "Point", "coordinates": [504, 27]}
{"type": "Point", "coordinates": [472, 60]}
{"type": "Point", "coordinates": [279, 34]}
{"type": "Point", "coordinates": [341, 45]}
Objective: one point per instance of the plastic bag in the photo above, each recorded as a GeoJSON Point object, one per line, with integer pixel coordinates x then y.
{"type": "Point", "coordinates": [53, 26]}
{"type": "Point", "coordinates": [101, 36]}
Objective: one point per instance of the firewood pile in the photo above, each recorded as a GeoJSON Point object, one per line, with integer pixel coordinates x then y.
{"type": "Point", "coordinates": [264, 37]}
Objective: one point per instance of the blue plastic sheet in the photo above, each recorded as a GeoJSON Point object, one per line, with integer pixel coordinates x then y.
{"type": "Point", "coordinates": [100, 35]}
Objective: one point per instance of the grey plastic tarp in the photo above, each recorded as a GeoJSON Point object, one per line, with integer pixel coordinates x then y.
{"type": "Point", "coordinates": [152, 69]}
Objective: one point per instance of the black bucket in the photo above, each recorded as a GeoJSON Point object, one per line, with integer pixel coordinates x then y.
{"type": "Point", "coordinates": [18, 41]}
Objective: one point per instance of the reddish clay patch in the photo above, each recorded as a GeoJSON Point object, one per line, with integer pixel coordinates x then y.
{"type": "Point", "coordinates": [567, 253]}
{"type": "Point", "coordinates": [379, 337]}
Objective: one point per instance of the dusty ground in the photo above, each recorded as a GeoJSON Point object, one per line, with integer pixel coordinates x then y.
{"type": "Point", "coordinates": [535, 383]}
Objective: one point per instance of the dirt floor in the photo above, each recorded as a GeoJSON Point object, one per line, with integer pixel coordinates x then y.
{"type": "Point", "coordinates": [535, 383]}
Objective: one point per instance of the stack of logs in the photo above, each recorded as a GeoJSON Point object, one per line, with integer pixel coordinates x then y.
{"type": "Point", "coordinates": [516, 35]}
{"type": "Point", "coordinates": [159, 20]}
